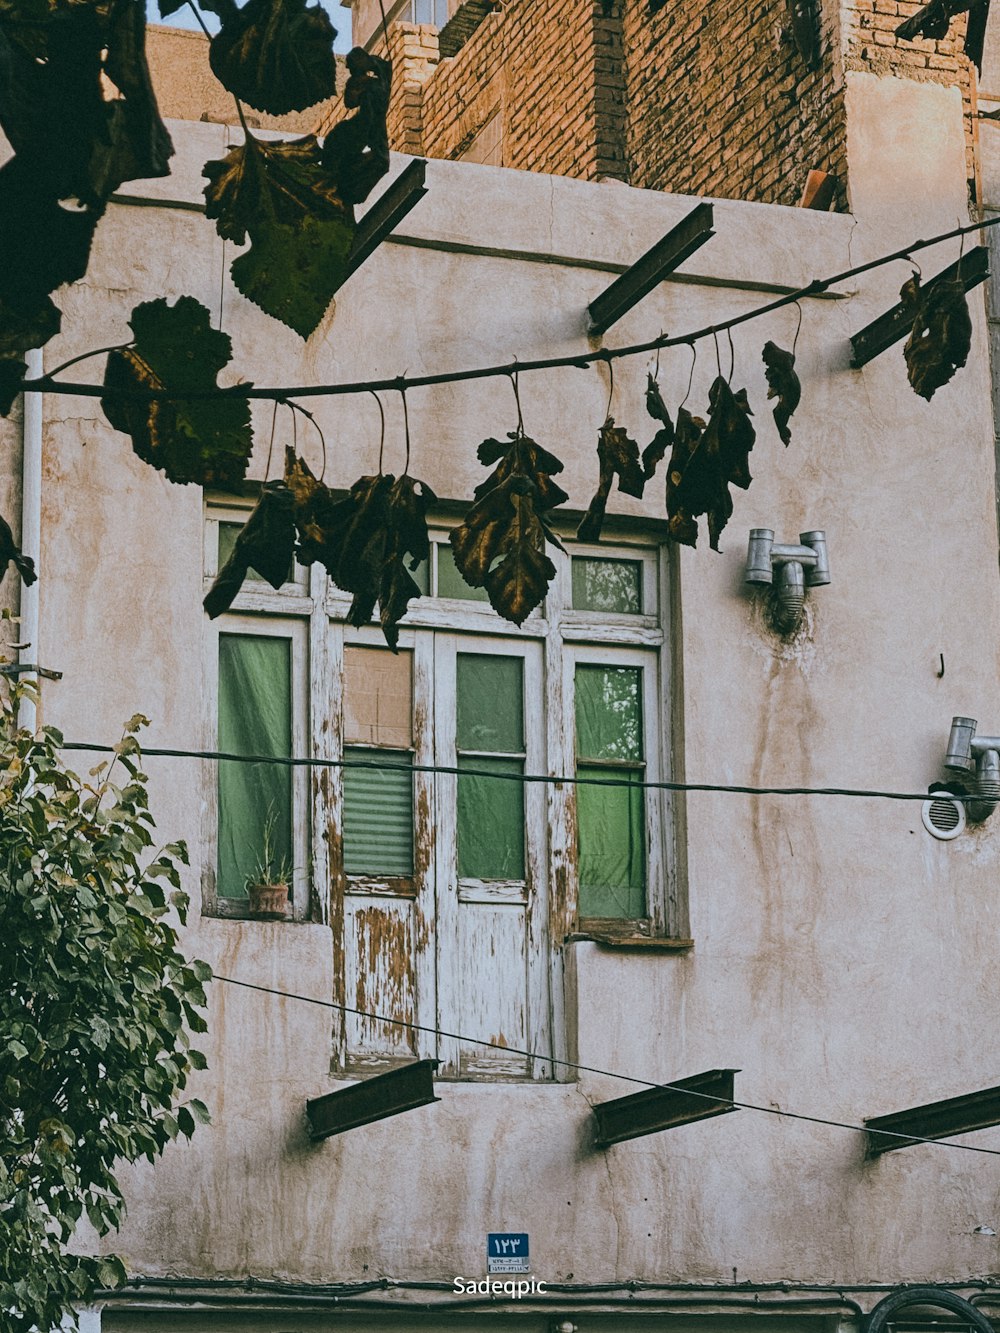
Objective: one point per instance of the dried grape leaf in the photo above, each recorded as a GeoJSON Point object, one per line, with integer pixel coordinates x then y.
{"type": "Point", "coordinates": [202, 440]}
{"type": "Point", "coordinates": [657, 448]}
{"type": "Point", "coordinates": [356, 151]}
{"type": "Point", "coordinates": [706, 461]}
{"type": "Point", "coordinates": [44, 244]}
{"type": "Point", "coordinates": [12, 372]}
{"type": "Point", "coordinates": [934, 20]}
{"type": "Point", "coordinates": [27, 325]}
{"type": "Point", "coordinates": [618, 456]}
{"type": "Point", "coordinates": [783, 384]}
{"type": "Point", "coordinates": [941, 335]}
{"type": "Point", "coordinates": [300, 230]}
{"type": "Point", "coordinates": [500, 545]}
{"type": "Point", "coordinates": [76, 99]}
{"type": "Point", "coordinates": [364, 539]}
{"type": "Point", "coordinates": [265, 543]}
{"type": "Point", "coordinates": [277, 55]}
{"type": "Point", "coordinates": [10, 553]}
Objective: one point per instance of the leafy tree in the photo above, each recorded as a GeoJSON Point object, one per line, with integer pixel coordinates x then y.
{"type": "Point", "coordinates": [96, 1003]}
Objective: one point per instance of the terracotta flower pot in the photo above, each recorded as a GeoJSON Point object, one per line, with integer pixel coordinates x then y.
{"type": "Point", "coordinates": [269, 902]}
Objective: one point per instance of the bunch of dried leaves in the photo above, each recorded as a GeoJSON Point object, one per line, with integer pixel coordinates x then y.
{"type": "Point", "coordinates": [618, 456]}
{"type": "Point", "coordinates": [783, 384]}
{"type": "Point", "coordinates": [206, 440]}
{"type": "Point", "coordinates": [265, 543]}
{"type": "Point", "coordinates": [705, 459]}
{"type": "Point", "coordinates": [941, 335]}
{"type": "Point", "coordinates": [368, 540]}
{"type": "Point", "coordinates": [933, 21]}
{"type": "Point", "coordinates": [500, 545]}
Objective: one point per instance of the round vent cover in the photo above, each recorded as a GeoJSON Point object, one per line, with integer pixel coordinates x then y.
{"type": "Point", "coordinates": [943, 816]}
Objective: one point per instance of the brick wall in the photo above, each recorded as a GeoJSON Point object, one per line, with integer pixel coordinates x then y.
{"type": "Point", "coordinates": [871, 44]}
{"type": "Point", "coordinates": [721, 102]}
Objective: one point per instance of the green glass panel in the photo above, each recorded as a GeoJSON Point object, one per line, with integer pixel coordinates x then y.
{"type": "Point", "coordinates": [490, 820]}
{"type": "Point", "coordinates": [610, 831]}
{"type": "Point", "coordinates": [420, 576]}
{"type": "Point", "coordinates": [228, 533]}
{"type": "Point", "coordinates": [607, 585]}
{"type": "Point", "coordinates": [609, 713]}
{"type": "Point", "coordinates": [378, 815]}
{"type": "Point", "coordinates": [450, 581]}
{"type": "Point", "coordinates": [490, 703]}
{"type": "Point", "coordinates": [255, 717]}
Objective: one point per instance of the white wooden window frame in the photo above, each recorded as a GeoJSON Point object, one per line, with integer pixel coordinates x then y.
{"type": "Point", "coordinates": [295, 632]}
{"type": "Point", "coordinates": [312, 610]}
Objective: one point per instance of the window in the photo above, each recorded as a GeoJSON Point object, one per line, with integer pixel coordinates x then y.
{"type": "Point", "coordinates": [450, 883]}
{"type": "Point", "coordinates": [425, 11]}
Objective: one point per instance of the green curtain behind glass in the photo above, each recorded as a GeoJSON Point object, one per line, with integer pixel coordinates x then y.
{"type": "Point", "coordinates": [490, 811]}
{"type": "Point", "coordinates": [255, 717]}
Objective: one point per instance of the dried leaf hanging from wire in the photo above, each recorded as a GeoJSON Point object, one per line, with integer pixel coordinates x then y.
{"type": "Point", "coordinates": [203, 440]}
{"type": "Point", "coordinates": [356, 151]}
{"type": "Point", "coordinates": [276, 55]}
{"type": "Point", "coordinates": [706, 461]}
{"type": "Point", "coordinates": [618, 456]}
{"type": "Point", "coordinates": [364, 539]}
{"type": "Point", "coordinates": [10, 553]}
{"type": "Point", "coordinates": [933, 21]}
{"type": "Point", "coordinates": [783, 384]}
{"type": "Point", "coordinates": [265, 543]}
{"type": "Point", "coordinates": [300, 229]}
{"type": "Point", "coordinates": [500, 545]}
{"type": "Point", "coordinates": [657, 448]}
{"type": "Point", "coordinates": [941, 336]}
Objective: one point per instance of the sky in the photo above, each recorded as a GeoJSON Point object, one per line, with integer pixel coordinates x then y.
{"type": "Point", "coordinates": [183, 18]}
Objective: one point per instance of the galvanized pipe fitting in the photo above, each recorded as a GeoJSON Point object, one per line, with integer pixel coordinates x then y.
{"type": "Point", "coordinates": [969, 753]}
{"type": "Point", "coordinates": [799, 567]}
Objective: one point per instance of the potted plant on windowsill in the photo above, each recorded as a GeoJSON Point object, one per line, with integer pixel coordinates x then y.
{"type": "Point", "coordinates": [269, 883]}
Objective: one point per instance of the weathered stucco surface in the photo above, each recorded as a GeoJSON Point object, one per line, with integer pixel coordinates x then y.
{"type": "Point", "coordinates": [842, 960]}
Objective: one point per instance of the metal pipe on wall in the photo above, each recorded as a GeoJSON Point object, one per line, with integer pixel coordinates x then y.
{"type": "Point", "coordinates": [31, 527]}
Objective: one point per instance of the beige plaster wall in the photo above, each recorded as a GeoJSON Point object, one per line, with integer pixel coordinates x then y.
{"type": "Point", "coordinates": [842, 960]}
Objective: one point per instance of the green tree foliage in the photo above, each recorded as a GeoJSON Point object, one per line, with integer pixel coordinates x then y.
{"type": "Point", "coordinates": [96, 1006]}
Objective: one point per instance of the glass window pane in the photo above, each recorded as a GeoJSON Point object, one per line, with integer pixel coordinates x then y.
{"type": "Point", "coordinates": [609, 713]}
{"type": "Point", "coordinates": [607, 585]}
{"type": "Point", "coordinates": [378, 697]}
{"type": "Point", "coordinates": [378, 815]}
{"type": "Point", "coordinates": [450, 581]}
{"type": "Point", "coordinates": [255, 717]}
{"type": "Point", "coordinates": [228, 533]}
{"type": "Point", "coordinates": [490, 821]}
{"type": "Point", "coordinates": [490, 703]}
{"type": "Point", "coordinates": [610, 823]}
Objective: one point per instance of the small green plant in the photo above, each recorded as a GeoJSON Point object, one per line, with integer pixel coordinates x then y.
{"type": "Point", "coordinates": [96, 1004]}
{"type": "Point", "coordinates": [272, 866]}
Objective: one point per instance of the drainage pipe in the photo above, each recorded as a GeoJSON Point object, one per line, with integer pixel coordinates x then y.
{"type": "Point", "coordinates": [31, 527]}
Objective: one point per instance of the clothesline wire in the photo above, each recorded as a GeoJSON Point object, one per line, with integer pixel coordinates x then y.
{"type": "Point", "coordinates": [577, 1067]}
{"type": "Point", "coordinates": [583, 360]}
{"type": "Point", "coordinates": [546, 779]}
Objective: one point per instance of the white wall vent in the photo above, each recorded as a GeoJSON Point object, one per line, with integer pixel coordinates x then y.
{"type": "Point", "coordinates": [943, 816]}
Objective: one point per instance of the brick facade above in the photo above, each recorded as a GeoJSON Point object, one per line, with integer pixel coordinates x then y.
{"type": "Point", "coordinates": [729, 98]}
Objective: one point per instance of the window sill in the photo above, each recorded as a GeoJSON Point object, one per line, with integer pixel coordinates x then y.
{"type": "Point", "coordinates": [636, 942]}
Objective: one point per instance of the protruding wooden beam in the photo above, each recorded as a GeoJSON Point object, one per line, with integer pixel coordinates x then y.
{"type": "Point", "coordinates": [402, 1089]}
{"type": "Point", "coordinates": [878, 336]}
{"type": "Point", "coordinates": [656, 264]}
{"type": "Point", "coordinates": [386, 213]}
{"type": "Point", "coordinates": [654, 1109]}
{"type": "Point", "coordinates": [936, 1120]}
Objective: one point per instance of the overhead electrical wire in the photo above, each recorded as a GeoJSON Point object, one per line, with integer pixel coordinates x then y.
{"type": "Point", "coordinates": [546, 779]}
{"type": "Point", "coordinates": [582, 360]}
{"type": "Point", "coordinates": [604, 1073]}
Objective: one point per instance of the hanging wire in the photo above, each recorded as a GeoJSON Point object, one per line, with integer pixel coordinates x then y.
{"type": "Point", "coordinates": [381, 440]}
{"type": "Point", "coordinates": [406, 423]}
{"type": "Point", "coordinates": [611, 390]}
{"type": "Point", "coordinates": [297, 407]}
{"type": "Point", "coordinates": [270, 443]}
{"type": "Point", "coordinates": [718, 358]}
{"type": "Point", "coordinates": [694, 362]}
{"type": "Point", "coordinates": [798, 328]}
{"type": "Point", "coordinates": [579, 359]}
{"type": "Point", "coordinates": [540, 1058]}
{"type": "Point", "coordinates": [517, 397]}
{"type": "Point", "coordinates": [545, 779]}
{"type": "Point", "coordinates": [732, 356]}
